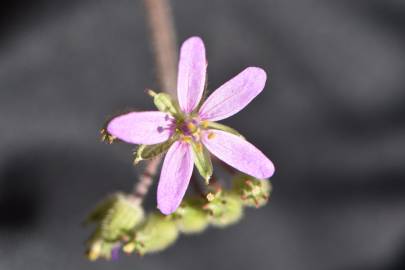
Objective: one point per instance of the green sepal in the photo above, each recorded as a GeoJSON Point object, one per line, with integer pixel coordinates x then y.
{"type": "Point", "coordinates": [99, 212]}
{"type": "Point", "coordinates": [157, 233]}
{"type": "Point", "coordinates": [202, 160]}
{"type": "Point", "coordinates": [116, 217]}
{"type": "Point", "coordinates": [252, 191]}
{"type": "Point", "coordinates": [97, 248]}
{"type": "Point", "coordinates": [224, 209]}
{"type": "Point", "coordinates": [190, 217]}
{"type": "Point", "coordinates": [150, 151]}
{"type": "Point", "coordinates": [165, 103]}
{"type": "Point", "coordinates": [120, 218]}
{"type": "Point", "coordinates": [215, 125]}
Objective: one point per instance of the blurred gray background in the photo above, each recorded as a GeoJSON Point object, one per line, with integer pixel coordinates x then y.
{"type": "Point", "coordinates": [331, 118]}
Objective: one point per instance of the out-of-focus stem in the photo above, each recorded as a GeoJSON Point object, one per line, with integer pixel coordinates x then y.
{"type": "Point", "coordinates": [163, 38]}
{"type": "Point", "coordinates": [145, 180]}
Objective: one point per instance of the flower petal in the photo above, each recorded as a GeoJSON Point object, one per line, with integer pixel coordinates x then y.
{"type": "Point", "coordinates": [141, 127]}
{"type": "Point", "coordinates": [175, 176]}
{"type": "Point", "coordinates": [192, 73]}
{"type": "Point", "coordinates": [238, 153]}
{"type": "Point", "coordinates": [234, 95]}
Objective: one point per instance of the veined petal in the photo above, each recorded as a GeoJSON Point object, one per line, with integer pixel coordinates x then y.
{"type": "Point", "coordinates": [191, 74]}
{"type": "Point", "coordinates": [238, 153]}
{"type": "Point", "coordinates": [234, 95]}
{"type": "Point", "coordinates": [174, 177]}
{"type": "Point", "coordinates": [141, 127]}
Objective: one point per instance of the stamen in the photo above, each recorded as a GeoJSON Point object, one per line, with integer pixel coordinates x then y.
{"type": "Point", "coordinates": [211, 135]}
{"type": "Point", "coordinates": [186, 139]}
{"type": "Point", "coordinates": [210, 197]}
{"type": "Point", "coordinates": [199, 147]}
{"type": "Point", "coordinates": [128, 248]}
{"type": "Point", "coordinates": [151, 93]}
{"type": "Point", "coordinates": [191, 127]}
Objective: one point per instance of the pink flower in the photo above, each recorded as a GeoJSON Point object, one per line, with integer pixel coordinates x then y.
{"type": "Point", "coordinates": [193, 127]}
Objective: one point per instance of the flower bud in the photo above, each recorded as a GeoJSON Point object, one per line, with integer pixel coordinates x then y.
{"type": "Point", "coordinates": [224, 209]}
{"type": "Point", "coordinates": [116, 216]}
{"type": "Point", "coordinates": [190, 218]}
{"type": "Point", "coordinates": [252, 191]}
{"type": "Point", "coordinates": [155, 234]}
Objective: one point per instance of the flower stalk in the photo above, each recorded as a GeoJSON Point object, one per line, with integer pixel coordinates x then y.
{"type": "Point", "coordinates": [163, 38]}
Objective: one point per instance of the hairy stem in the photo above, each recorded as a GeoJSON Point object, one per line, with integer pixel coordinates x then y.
{"type": "Point", "coordinates": [145, 180]}
{"type": "Point", "coordinates": [163, 38]}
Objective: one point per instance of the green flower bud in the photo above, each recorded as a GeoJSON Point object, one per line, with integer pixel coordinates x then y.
{"type": "Point", "coordinates": [252, 191]}
{"type": "Point", "coordinates": [117, 216]}
{"type": "Point", "coordinates": [190, 218]}
{"type": "Point", "coordinates": [98, 213]}
{"type": "Point", "coordinates": [156, 234]}
{"type": "Point", "coordinates": [224, 209]}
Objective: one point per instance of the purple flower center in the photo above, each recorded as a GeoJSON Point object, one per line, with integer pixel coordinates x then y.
{"type": "Point", "coordinates": [190, 128]}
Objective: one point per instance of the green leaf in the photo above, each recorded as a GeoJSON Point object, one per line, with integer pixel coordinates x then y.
{"type": "Point", "coordinates": [202, 161]}
{"type": "Point", "coordinates": [222, 127]}
{"type": "Point", "coordinates": [165, 103]}
{"type": "Point", "coordinates": [153, 150]}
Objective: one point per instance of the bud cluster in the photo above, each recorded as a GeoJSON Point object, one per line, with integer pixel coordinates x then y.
{"type": "Point", "coordinates": [122, 225]}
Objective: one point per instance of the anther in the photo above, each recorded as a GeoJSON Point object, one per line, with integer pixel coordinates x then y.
{"type": "Point", "coordinates": [151, 93]}
{"type": "Point", "coordinates": [211, 135]}
{"type": "Point", "coordinates": [191, 127]}
{"type": "Point", "coordinates": [128, 248]}
{"type": "Point", "coordinates": [210, 197]}
{"type": "Point", "coordinates": [199, 147]}
{"type": "Point", "coordinates": [186, 139]}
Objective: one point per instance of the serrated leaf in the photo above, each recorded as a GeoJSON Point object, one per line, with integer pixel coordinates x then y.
{"type": "Point", "coordinates": [151, 151]}
{"type": "Point", "coordinates": [202, 160]}
{"type": "Point", "coordinates": [215, 125]}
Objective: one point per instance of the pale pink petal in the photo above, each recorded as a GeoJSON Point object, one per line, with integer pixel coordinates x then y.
{"type": "Point", "coordinates": [234, 95]}
{"type": "Point", "coordinates": [191, 74]}
{"type": "Point", "coordinates": [141, 127]}
{"type": "Point", "coordinates": [174, 177]}
{"type": "Point", "coordinates": [238, 153]}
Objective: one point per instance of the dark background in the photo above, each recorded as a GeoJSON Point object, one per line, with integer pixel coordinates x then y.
{"type": "Point", "coordinates": [331, 118]}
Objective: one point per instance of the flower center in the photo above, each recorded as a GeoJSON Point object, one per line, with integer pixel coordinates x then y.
{"type": "Point", "coordinates": [190, 128]}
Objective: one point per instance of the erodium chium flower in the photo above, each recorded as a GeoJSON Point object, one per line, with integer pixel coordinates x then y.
{"type": "Point", "coordinates": [187, 129]}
